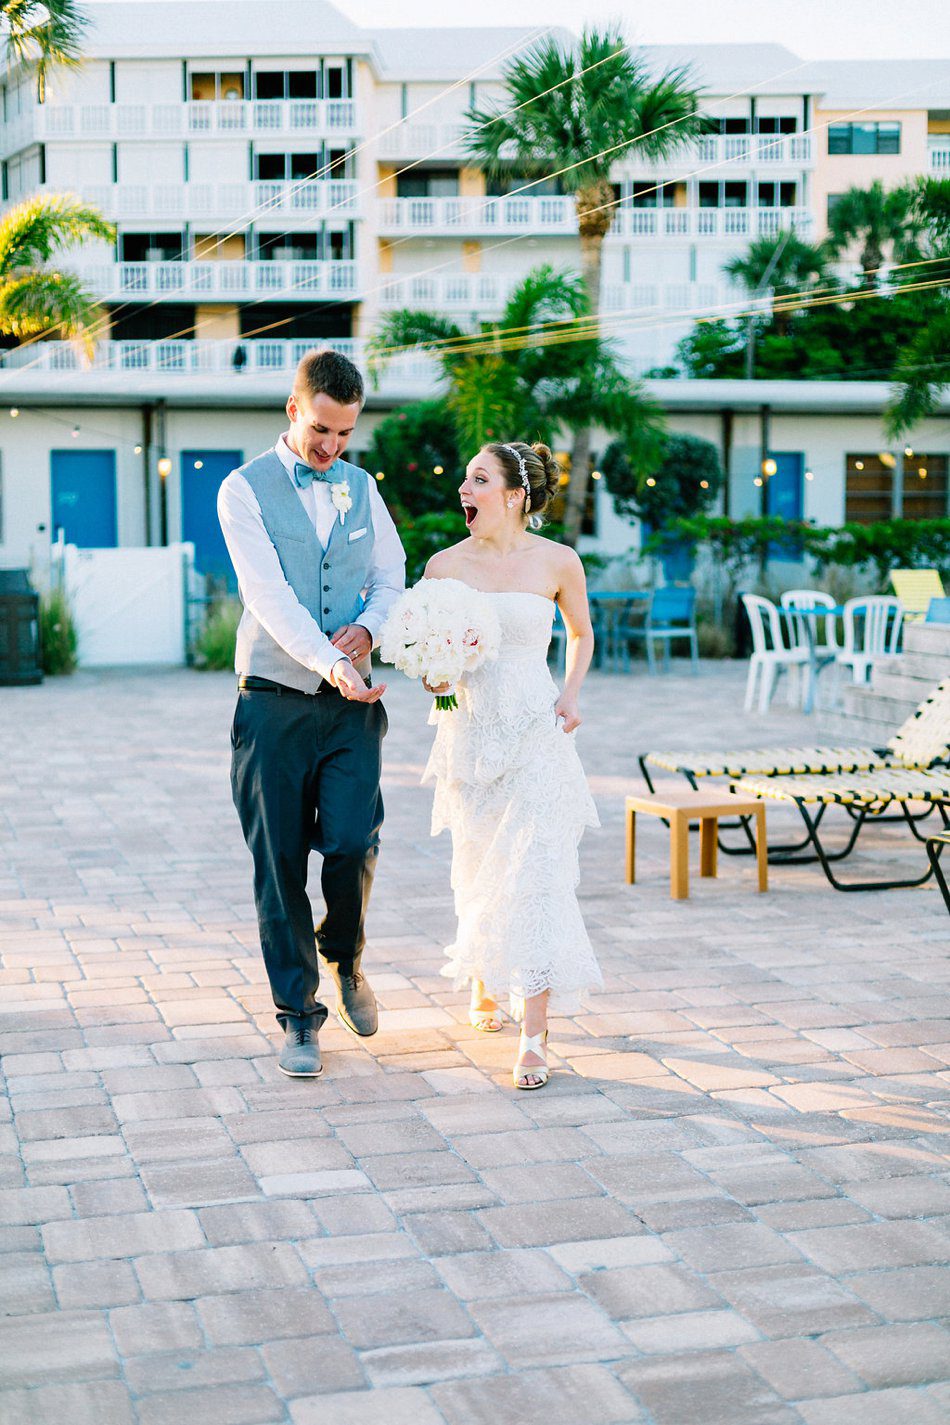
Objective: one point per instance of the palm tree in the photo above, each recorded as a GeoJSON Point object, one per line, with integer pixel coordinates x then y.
{"type": "Point", "coordinates": [41, 34]}
{"type": "Point", "coordinates": [36, 298]}
{"type": "Point", "coordinates": [533, 384]}
{"type": "Point", "coordinates": [580, 110]}
{"type": "Point", "coordinates": [923, 367]}
{"type": "Point", "coordinates": [877, 219]}
{"type": "Point", "coordinates": [782, 264]}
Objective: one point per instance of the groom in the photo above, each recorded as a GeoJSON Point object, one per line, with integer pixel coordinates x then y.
{"type": "Point", "coordinates": [319, 565]}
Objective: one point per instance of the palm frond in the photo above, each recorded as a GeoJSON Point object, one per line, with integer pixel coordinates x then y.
{"type": "Point", "coordinates": [923, 374]}
{"type": "Point", "coordinates": [37, 228]}
{"type": "Point", "coordinates": [407, 328]}
{"type": "Point", "coordinates": [44, 301]}
{"type": "Point", "coordinates": [43, 35]}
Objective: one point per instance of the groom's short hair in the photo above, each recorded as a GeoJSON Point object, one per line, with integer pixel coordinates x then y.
{"type": "Point", "coordinates": [330, 373]}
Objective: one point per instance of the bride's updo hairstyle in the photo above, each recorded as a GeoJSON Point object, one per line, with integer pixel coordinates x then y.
{"type": "Point", "coordinates": [536, 475]}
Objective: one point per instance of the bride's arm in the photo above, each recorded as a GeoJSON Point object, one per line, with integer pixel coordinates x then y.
{"type": "Point", "coordinates": [572, 601]}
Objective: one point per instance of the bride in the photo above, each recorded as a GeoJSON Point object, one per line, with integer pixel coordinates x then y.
{"type": "Point", "coordinates": [508, 781]}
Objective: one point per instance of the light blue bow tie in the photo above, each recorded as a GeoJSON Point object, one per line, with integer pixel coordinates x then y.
{"type": "Point", "coordinates": [305, 475]}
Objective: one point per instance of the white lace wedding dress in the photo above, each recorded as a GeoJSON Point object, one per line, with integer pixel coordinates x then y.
{"type": "Point", "coordinates": [510, 787]}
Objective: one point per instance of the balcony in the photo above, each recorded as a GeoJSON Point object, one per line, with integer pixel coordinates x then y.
{"type": "Point", "coordinates": [250, 118]}
{"type": "Point", "coordinates": [421, 141]}
{"type": "Point", "coordinates": [756, 149]}
{"type": "Point", "coordinates": [938, 154]}
{"type": "Point", "coordinates": [724, 223]}
{"type": "Point", "coordinates": [225, 280]}
{"type": "Point", "coordinates": [125, 363]}
{"type": "Point", "coordinates": [455, 217]}
{"type": "Point", "coordinates": [184, 202]}
{"type": "Point", "coordinates": [481, 292]}
{"type": "Point", "coordinates": [685, 297]}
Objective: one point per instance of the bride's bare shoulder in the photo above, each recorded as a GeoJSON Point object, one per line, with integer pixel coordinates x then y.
{"type": "Point", "coordinates": [446, 563]}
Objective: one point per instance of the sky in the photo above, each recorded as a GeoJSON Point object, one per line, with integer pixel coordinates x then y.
{"type": "Point", "coordinates": [814, 29]}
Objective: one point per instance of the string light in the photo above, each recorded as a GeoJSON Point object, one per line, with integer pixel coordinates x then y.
{"type": "Point", "coordinates": [136, 450]}
{"type": "Point", "coordinates": [757, 480]}
{"type": "Point", "coordinates": [596, 475]}
{"type": "Point", "coordinates": [14, 412]}
{"type": "Point", "coordinates": [769, 467]}
{"type": "Point", "coordinates": [809, 475]}
{"type": "Point", "coordinates": [908, 451]}
{"type": "Point", "coordinates": [199, 465]}
{"type": "Point", "coordinates": [164, 467]}
{"type": "Point", "coordinates": [380, 475]}
{"type": "Point", "coordinates": [887, 459]}
{"type": "Point", "coordinates": [922, 472]}
{"type": "Point", "coordinates": [859, 465]}
{"type": "Point", "coordinates": [704, 484]}
{"type": "Point", "coordinates": [74, 432]}
{"type": "Point", "coordinates": [651, 482]}
{"type": "Point", "coordinates": [437, 470]}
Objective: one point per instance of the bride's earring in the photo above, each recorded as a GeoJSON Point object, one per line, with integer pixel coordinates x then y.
{"type": "Point", "coordinates": [511, 504]}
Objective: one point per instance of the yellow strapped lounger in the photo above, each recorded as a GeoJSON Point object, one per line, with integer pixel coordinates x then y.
{"type": "Point", "coordinates": [915, 588]}
{"type": "Point", "coordinates": [865, 794]}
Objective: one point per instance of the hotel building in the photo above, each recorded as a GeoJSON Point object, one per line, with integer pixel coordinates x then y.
{"type": "Point", "coordinates": [280, 177]}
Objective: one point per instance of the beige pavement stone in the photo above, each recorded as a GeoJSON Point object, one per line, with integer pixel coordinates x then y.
{"type": "Point", "coordinates": [628, 1293]}
{"type": "Point", "coordinates": [570, 1395]}
{"type": "Point", "coordinates": [476, 1276]}
{"type": "Point", "coordinates": [219, 1405]}
{"type": "Point", "coordinates": [181, 1276]}
{"type": "Point", "coordinates": [63, 1346]}
{"type": "Point", "coordinates": [874, 1244]}
{"type": "Point", "coordinates": [799, 1370]}
{"type": "Point", "coordinates": [95, 1284]}
{"type": "Point", "coordinates": [155, 1327]}
{"type": "Point", "coordinates": [881, 1407]}
{"type": "Point", "coordinates": [425, 1363]}
{"type": "Point", "coordinates": [127, 1235]}
{"type": "Point", "coordinates": [251, 1316]}
{"type": "Point", "coordinates": [885, 1356]}
{"type": "Point", "coordinates": [395, 1318]}
{"type": "Point", "coordinates": [396, 1405]}
{"type": "Point", "coordinates": [574, 1329]}
{"type": "Point", "coordinates": [691, 1331]}
{"type": "Point", "coordinates": [305, 1365]}
{"type": "Point", "coordinates": [90, 1403]}
{"type": "Point", "coordinates": [707, 1386]}
{"type": "Point", "coordinates": [791, 1300]}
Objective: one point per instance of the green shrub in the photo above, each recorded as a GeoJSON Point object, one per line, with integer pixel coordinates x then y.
{"type": "Point", "coordinates": [426, 535]}
{"type": "Point", "coordinates": [58, 640]}
{"type": "Point", "coordinates": [214, 646]}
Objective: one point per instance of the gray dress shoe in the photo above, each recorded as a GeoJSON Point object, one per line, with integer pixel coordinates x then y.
{"type": "Point", "coordinates": [300, 1056]}
{"type": "Point", "coordinates": [356, 1003]}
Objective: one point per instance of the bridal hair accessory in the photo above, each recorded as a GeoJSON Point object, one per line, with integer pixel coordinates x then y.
{"type": "Point", "coordinates": [523, 473]}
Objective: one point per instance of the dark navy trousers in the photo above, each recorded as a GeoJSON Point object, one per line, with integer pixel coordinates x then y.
{"type": "Point", "coordinates": [305, 776]}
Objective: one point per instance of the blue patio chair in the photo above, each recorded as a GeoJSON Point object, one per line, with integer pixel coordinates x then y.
{"type": "Point", "coordinates": [938, 611]}
{"type": "Point", "coordinates": [671, 614]}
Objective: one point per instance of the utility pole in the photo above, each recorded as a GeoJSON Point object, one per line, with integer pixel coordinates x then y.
{"type": "Point", "coordinates": [757, 294]}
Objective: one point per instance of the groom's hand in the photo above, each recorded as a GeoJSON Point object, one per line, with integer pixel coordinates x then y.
{"type": "Point", "coordinates": [347, 681]}
{"type": "Point", "coordinates": [353, 640]}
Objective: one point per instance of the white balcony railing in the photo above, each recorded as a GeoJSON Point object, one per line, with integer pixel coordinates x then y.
{"type": "Point", "coordinates": [479, 215]}
{"type": "Point", "coordinates": [219, 201]}
{"type": "Point", "coordinates": [252, 118]}
{"type": "Point", "coordinates": [708, 222]}
{"type": "Point", "coordinates": [234, 280]}
{"type": "Point", "coordinates": [666, 297]}
{"type": "Point", "coordinates": [242, 357]}
{"type": "Point", "coordinates": [481, 292]}
{"type": "Point", "coordinates": [755, 149]}
{"type": "Point", "coordinates": [418, 140]}
{"type": "Point", "coordinates": [939, 156]}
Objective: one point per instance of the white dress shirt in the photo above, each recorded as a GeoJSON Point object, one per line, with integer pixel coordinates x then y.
{"type": "Point", "coordinates": [264, 589]}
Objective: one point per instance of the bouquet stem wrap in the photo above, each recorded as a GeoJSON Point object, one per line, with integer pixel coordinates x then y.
{"type": "Point", "coordinates": [438, 630]}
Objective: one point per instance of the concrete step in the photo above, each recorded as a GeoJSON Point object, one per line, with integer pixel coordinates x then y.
{"type": "Point", "coordinates": [901, 684]}
{"type": "Point", "coordinates": [930, 638]}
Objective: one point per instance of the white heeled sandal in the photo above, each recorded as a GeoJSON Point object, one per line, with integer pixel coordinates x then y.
{"type": "Point", "coordinates": [486, 1021]}
{"type": "Point", "coordinates": [531, 1044]}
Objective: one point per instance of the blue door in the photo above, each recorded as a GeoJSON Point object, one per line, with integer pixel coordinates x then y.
{"type": "Point", "coordinates": [83, 497]}
{"type": "Point", "coordinates": [201, 474]}
{"type": "Point", "coordinates": [784, 491]}
{"type": "Point", "coordinates": [785, 497]}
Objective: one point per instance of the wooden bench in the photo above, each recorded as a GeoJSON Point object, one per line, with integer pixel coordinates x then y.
{"type": "Point", "coordinates": [680, 808]}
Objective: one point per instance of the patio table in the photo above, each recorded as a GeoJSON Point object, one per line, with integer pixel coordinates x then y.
{"type": "Point", "coordinates": [608, 611]}
{"type": "Point", "coordinates": [809, 619]}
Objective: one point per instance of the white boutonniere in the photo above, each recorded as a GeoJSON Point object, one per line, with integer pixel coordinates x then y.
{"type": "Point", "coordinates": [342, 499]}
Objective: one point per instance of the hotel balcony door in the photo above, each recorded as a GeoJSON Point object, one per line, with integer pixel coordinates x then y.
{"type": "Point", "coordinates": [201, 474]}
{"type": "Point", "coordinates": [82, 490]}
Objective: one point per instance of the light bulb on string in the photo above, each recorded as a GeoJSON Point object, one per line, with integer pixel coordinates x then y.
{"type": "Point", "coordinates": [137, 450]}
{"type": "Point", "coordinates": [909, 451]}
{"type": "Point", "coordinates": [859, 465]}
{"type": "Point", "coordinates": [74, 432]}
{"type": "Point", "coordinates": [757, 481]}
{"type": "Point", "coordinates": [437, 470]}
{"type": "Point", "coordinates": [596, 475]}
{"type": "Point", "coordinates": [651, 482]}
{"type": "Point", "coordinates": [199, 465]}
{"type": "Point", "coordinates": [704, 484]}
{"type": "Point", "coordinates": [14, 412]}
{"type": "Point", "coordinates": [809, 475]}
{"type": "Point", "coordinates": [769, 467]}
{"type": "Point", "coordinates": [380, 475]}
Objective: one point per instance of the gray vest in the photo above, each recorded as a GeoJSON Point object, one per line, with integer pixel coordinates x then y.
{"type": "Point", "coordinates": [329, 582]}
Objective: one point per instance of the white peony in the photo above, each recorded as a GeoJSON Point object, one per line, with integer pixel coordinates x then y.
{"type": "Point", "coordinates": [438, 630]}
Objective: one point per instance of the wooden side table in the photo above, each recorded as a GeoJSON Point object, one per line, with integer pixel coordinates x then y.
{"type": "Point", "coordinates": [680, 808]}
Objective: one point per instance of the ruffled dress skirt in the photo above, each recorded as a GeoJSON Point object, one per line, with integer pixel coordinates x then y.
{"type": "Point", "coordinates": [510, 788]}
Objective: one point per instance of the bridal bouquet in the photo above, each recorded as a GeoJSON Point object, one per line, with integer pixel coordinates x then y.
{"type": "Point", "coordinates": [438, 630]}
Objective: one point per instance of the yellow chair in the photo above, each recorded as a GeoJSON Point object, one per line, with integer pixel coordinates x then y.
{"type": "Point", "coordinates": [915, 588]}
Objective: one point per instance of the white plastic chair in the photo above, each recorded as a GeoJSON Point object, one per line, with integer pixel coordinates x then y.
{"type": "Point", "coordinates": [806, 631]}
{"type": "Point", "coordinates": [771, 656]}
{"type": "Point", "coordinates": [872, 631]}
